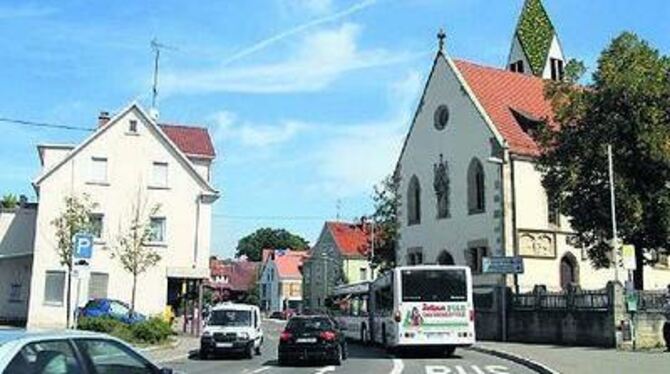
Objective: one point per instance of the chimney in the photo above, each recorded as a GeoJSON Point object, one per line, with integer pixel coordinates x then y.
{"type": "Point", "coordinates": [103, 118]}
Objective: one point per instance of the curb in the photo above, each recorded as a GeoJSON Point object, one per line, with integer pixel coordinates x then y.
{"type": "Point", "coordinates": [172, 345]}
{"type": "Point", "coordinates": [531, 364]}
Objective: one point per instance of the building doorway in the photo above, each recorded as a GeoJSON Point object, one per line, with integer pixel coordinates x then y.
{"type": "Point", "coordinates": [569, 271]}
{"type": "Point", "coordinates": [445, 258]}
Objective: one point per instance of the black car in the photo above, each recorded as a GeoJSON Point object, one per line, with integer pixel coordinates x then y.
{"type": "Point", "coordinates": [308, 338]}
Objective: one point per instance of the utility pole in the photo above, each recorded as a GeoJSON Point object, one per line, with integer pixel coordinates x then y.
{"type": "Point", "coordinates": [615, 239]}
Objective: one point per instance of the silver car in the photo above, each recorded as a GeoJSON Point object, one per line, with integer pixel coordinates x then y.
{"type": "Point", "coordinates": [70, 352]}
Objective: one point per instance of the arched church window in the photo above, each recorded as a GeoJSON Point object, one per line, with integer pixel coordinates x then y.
{"type": "Point", "coordinates": [441, 186]}
{"type": "Point", "coordinates": [476, 187]}
{"type": "Point", "coordinates": [569, 271]}
{"type": "Point", "coordinates": [414, 201]}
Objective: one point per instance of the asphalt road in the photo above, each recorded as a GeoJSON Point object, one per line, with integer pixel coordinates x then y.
{"type": "Point", "coordinates": [362, 360]}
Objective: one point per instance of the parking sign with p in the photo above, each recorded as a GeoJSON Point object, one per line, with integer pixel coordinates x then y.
{"type": "Point", "coordinates": [83, 246]}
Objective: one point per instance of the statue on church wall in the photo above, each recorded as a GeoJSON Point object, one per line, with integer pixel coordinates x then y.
{"type": "Point", "coordinates": [441, 186]}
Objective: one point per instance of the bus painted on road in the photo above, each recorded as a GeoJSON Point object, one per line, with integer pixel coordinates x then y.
{"type": "Point", "coordinates": [422, 305]}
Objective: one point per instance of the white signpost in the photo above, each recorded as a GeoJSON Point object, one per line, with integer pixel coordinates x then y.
{"type": "Point", "coordinates": [82, 251]}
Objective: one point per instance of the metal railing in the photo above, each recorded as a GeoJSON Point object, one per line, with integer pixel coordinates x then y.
{"type": "Point", "coordinates": [574, 299]}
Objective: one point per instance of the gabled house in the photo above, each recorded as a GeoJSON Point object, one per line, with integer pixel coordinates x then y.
{"type": "Point", "coordinates": [339, 256]}
{"type": "Point", "coordinates": [281, 280]}
{"type": "Point", "coordinates": [232, 280]}
{"type": "Point", "coordinates": [468, 179]}
{"type": "Point", "coordinates": [129, 161]}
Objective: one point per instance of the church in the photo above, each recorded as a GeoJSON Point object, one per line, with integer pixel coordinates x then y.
{"type": "Point", "coordinates": [467, 174]}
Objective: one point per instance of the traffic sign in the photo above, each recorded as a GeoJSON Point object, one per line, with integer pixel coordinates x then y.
{"type": "Point", "coordinates": [502, 265]}
{"type": "Point", "coordinates": [629, 262]}
{"type": "Point", "coordinates": [82, 246]}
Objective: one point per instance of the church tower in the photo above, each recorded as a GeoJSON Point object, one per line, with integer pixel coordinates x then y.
{"type": "Point", "coordinates": [535, 47]}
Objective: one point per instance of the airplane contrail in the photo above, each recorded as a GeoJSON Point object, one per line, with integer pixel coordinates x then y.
{"type": "Point", "coordinates": [275, 38]}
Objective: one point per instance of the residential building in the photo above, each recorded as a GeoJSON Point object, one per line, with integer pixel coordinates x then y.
{"type": "Point", "coordinates": [281, 280]}
{"type": "Point", "coordinates": [130, 162]}
{"type": "Point", "coordinates": [340, 256]}
{"type": "Point", "coordinates": [468, 178]}
{"type": "Point", "coordinates": [17, 234]}
{"type": "Point", "coordinates": [232, 280]}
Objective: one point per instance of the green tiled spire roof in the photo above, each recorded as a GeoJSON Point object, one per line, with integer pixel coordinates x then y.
{"type": "Point", "coordinates": [535, 33]}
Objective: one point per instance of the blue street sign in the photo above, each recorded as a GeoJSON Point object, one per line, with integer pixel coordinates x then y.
{"type": "Point", "coordinates": [83, 246]}
{"type": "Point", "coordinates": [502, 265]}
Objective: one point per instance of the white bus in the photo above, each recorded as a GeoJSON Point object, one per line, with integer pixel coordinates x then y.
{"type": "Point", "coordinates": [423, 305]}
{"type": "Point", "coordinates": [349, 307]}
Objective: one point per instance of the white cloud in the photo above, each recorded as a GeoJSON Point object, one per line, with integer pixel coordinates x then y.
{"type": "Point", "coordinates": [320, 59]}
{"type": "Point", "coordinates": [249, 134]}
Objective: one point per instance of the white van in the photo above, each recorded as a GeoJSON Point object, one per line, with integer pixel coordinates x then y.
{"type": "Point", "coordinates": [232, 328]}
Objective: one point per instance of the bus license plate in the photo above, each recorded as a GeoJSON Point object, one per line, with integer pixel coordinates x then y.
{"type": "Point", "coordinates": [306, 340]}
{"type": "Point", "coordinates": [224, 345]}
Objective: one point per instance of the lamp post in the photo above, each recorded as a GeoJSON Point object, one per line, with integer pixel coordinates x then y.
{"type": "Point", "coordinates": [615, 239]}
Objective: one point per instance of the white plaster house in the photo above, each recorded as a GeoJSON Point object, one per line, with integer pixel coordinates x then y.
{"type": "Point", "coordinates": [468, 180]}
{"type": "Point", "coordinates": [128, 158]}
{"type": "Point", "coordinates": [17, 232]}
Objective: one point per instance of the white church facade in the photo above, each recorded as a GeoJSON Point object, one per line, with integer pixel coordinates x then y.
{"type": "Point", "coordinates": [468, 178]}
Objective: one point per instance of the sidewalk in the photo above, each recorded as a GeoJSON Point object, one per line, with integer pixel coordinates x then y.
{"type": "Point", "coordinates": [587, 360]}
{"type": "Point", "coordinates": [180, 348]}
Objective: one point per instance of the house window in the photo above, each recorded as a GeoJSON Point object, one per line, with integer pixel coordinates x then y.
{"type": "Point", "coordinates": [160, 174]}
{"type": "Point", "coordinates": [476, 188]}
{"type": "Point", "coordinates": [96, 220]}
{"type": "Point", "coordinates": [97, 285]}
{"type": "Point", "coordinates": [54, 284]}
{"type": "Point", "coordinates": [556, 69]}
{"type": "Point", "coordinates": [157, 229]}
{"type": "Point", "coordinates": [15, 293]}
{"type": "Point", "coordinates": [414, 201]}
{"type": "Point", "coordinates": [517, 67]}
{"type": "Point", "coordinates": [553, 215]}
{"type": "Point", "coordinates": [415, 256]}
{"type": "Point", "coordinates": [98, 170]}
{"type": "Point", "coordinates": [363, 274]}
{"type": "Point", "coordinates": [132, 126]}
{"type": "Point", "coordinates": [474, 258]}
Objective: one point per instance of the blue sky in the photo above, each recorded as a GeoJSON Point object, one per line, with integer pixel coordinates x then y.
{"type": "Point", "coordinates": [307, 100]}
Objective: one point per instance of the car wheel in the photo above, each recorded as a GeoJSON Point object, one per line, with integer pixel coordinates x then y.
{"type": "Point", "coordinates": [257, 350]}
{"type": "Point", "coordinates": [345, 351]}
{"type": "Point", "coordinates": [449, 351]}
{"type": "Point", "coordinates": [384, 336]}
{"type": "Point", "coordinates": [203, 354]}
{"type": "Point", "coordinates": [249, 351]}
{"type": "Point", "coordinates": [282, 361]}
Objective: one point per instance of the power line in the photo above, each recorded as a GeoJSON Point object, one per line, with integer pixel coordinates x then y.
{"type": "Point", "coordinates": [44, 124]}
{"type": "Point", "coordinates": [270, 218]}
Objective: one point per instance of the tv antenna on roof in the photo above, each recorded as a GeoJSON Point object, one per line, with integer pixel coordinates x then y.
{"type": "Point", "coordinates": [157, 47]}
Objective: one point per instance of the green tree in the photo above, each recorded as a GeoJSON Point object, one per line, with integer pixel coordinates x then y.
{"type": "Point", "coordinates": [253, 244]}
{"type": "Point", "coordinates": [627, 105]}
{"type": "Point", "coordinates": [9, 201]}
{"type": "Point", "coordinates": [133, 249]}
{"type": "Point", "coordinates": [386, 200]}
{"type": "Point", "coordinates": [75, 218]}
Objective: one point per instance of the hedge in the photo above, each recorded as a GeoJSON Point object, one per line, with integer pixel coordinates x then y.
{"type": "Point", "coordinates": [151, 331]}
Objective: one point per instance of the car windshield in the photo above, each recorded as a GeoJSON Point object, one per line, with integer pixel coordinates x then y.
{"type": "Point", "coordinates": [304, 324]}
{"type": "Point", "coordinates": [230, 318]}
{"type": "Point", "coordinates": [433, 285]}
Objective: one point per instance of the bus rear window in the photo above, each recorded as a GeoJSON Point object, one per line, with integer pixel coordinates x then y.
{"type": "Point", "coordinates": [433, 285]}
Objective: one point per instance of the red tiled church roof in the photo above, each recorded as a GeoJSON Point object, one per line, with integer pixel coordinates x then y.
{"type": "Point", "coordinates": [501, 92]}
{"type": "Point", "coordinates": [193, 141]}
{"type": "Point", "coordinates": [351, 239]}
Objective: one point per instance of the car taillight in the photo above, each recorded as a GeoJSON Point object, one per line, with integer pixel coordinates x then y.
{"type": "Point", "coordinates": [328, 336]}
{"type": "Point", "coordinates": [285, 336]}
{"type": "Point", "coordinates": [472, 315]}
{"type": "Point", "coordinates": [397, 317]}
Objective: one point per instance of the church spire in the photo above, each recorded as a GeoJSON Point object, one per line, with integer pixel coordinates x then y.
{"type": "Point", "coordinates": [535, 48]}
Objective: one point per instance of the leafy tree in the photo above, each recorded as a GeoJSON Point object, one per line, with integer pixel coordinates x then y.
{"type": "Point", "coordinates": [9, 201]}
{"type": "Point", "coordinates": [253, 244]}
{"type": "Point", "coordinates": [627, 105]}
{"type": "Point", "coordinates": [132, 249]}
{"type": "Point", "coordinates": [386, 199]}
{"type": "Point", "coordinates": [253, 295]}
{"type": "Point", "coordinates": [74, 219]}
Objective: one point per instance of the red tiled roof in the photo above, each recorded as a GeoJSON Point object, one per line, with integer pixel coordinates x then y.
{"type": "Point", "coordinates": [288, 265]}
{"type": "Point", "coordinates": [241, 274]}
{"type": "Point", "coordinates": [351, 239]}
{"type": "Point", "coordinates": [500, 92]}
{"type": "Point", "coordinates": [193, 141]}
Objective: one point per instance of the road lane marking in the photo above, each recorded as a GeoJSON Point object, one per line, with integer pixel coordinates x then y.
{"type": "Point", "coordinates": [326, 369]}
{"type": "Point", "coordinates": [260, 370]}
{"type": "Point", "coordinates": [472, 369]}
{"type": "Point", "coordinates": [398, 366]}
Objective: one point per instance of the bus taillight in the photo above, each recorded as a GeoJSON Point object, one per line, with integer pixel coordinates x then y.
{"type": "Point", "coordinates": [397, 317]}
{"type": "Point", "coordinates": [472, 315]}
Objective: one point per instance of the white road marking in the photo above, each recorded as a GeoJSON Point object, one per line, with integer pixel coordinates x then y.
{"type": "Point", "coordinates": [260, 370]}
{"type": "Point", "coordinates": [326, 369]}
{"type": "Point", "coordinates": [398, 366]}
{"type": "Point", "coordinates": [473, 369]}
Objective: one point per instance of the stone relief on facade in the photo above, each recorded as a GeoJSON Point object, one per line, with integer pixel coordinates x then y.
{"type": "Point", "coordinates": [536, 244]}
{"type": "Point", "coordinates": [441, 186]}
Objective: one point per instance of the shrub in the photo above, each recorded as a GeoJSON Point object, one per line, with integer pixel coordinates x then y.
{"type": "Point", "coordinates": [153, 330]}
{"type": "Point", "coordinates": [99, 324]}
